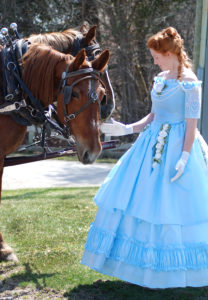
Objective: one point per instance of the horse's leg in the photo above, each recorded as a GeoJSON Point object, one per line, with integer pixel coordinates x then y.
{"type": "Point", "coordinates": [12, 136]}
{"type": "Point", "coordinates": [6, 252]}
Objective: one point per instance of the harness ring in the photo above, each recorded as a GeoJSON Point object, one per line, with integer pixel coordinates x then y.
{"type": "Point", "coordinates": [11, 66]}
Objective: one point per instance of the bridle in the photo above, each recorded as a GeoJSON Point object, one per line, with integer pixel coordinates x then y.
{"type": "Point", "coordinates": [93, 75]}
{"type": "Point", "coordinates": [91, 50]}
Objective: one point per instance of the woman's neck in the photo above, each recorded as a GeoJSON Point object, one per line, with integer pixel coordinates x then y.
{"type": "Point", "coordinates": [173, 68]}
{"type": "Point", "coordinates": [172, 74]}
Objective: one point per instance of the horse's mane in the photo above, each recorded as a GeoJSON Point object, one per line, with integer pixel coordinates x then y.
{"type": "Point", "coordinates": [39, 64]}
{"type": "Point", "coordinates": [61, 41]}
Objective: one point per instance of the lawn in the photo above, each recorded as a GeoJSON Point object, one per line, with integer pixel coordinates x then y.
{"type": "Point", "coordinates": [48, 228]}
{"type": "Point", "coordinates": [99, 160]}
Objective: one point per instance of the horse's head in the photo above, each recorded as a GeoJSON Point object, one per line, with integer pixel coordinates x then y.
{"type": "Point", "coordinates": [75, 84]}
{"type": "Point", "coordinates": [79, 104]}
{"type": "Point", "coordinates": [92, 47]}
{"type": "Point", "coordinates": [71, 41]}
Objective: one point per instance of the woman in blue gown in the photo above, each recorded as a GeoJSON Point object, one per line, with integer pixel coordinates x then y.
{"type": "Point", "coordinates": [151, 227]}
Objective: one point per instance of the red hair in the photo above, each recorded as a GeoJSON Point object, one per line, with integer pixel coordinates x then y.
{"type": "Point", "coordinates": [170, 40]}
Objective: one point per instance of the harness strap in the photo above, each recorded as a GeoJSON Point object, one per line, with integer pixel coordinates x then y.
{"type": "Point", "coordinates": [93, 99]}
{"type": "Point", "coordinates": [92, 49]}
{"type": "Point", "coordinates": [79, 72]}
{"type": "Point", "coordinates": [73, 115]}
{"type": "Point", "coordinates": [21, 47]}
{"type": "Point", "coordinates": [9, 83]}
{"type": "Point", "coordinates": [15, 106]}
{"type": "Point", "coordinates": [37, 104]}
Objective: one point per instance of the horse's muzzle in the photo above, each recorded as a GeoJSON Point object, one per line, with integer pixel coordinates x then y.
{"type": "Point", "coordinates": [89, 157]}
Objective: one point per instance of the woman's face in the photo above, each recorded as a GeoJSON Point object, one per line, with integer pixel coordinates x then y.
{"type": "Point", "coordinates": [162, 60]}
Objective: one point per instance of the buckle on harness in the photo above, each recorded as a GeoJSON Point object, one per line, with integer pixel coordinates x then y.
{"type": "Point", "coordinates": [94, 96]}
{"type": "Point", "coordinates": [70, 117]}
{"type": "Point", "coordinates": [9, 97]}
{"type": "Point", "coordinates": [11, 66]}
{"type": "Point", "coordinates": [20, 104]}
{"type": "Point", "coordinates": [33, 112]}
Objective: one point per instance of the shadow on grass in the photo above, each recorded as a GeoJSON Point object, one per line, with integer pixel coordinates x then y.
{"type": "Point", "coordinates": [119, 290]}
{"type": "Point", "coordinates": [27, 276]}
{"type": "Point", "coordinates": [30, 194]}
{"type": "Point", "coordinates": [25, 194]}
{"type": "Point", "coordinates": [6, 268]}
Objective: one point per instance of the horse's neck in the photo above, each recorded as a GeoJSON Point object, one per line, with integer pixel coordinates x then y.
{"type": "Point", "coordinates": [51, 100]}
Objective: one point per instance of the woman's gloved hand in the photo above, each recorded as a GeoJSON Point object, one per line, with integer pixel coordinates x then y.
{"type": "Point", "coordinates": [180, 166]}
{"type": "Point", "coordinates": [116, 128]}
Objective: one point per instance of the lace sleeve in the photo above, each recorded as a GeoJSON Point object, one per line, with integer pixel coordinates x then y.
{"type": "Point", "coordinates": [192, 99]}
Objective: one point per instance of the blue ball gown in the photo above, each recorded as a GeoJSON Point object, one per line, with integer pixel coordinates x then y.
{"type": "Point", "coordinates": [148, 230]}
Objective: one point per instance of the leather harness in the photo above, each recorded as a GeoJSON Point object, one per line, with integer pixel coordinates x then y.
{"type": "Point", "coordinates": [30, 111]}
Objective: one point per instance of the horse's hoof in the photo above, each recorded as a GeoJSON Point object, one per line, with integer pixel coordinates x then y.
{"type": "Point", "coordinates": [6, 252]}
{"type": "Point", "coordinates": [10, 257]}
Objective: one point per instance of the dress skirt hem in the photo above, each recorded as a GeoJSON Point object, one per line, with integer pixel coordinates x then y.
{"type": "Point", "coordinates": [146, 277]}
{"type": "Point", "coordinates": [150, 255]}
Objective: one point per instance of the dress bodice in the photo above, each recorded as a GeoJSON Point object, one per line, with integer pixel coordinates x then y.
{"type": "Point", "coordinates": [174, 100]}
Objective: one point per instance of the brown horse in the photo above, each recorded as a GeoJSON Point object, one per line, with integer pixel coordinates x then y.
{"type": "Point", "coordinates": [43, 69]}
{"type": "Point", "coordinates": [71, 41]}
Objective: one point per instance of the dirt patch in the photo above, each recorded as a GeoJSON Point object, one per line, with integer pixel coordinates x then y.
{"type": "Point", "coordinates": [10, 289]}
{"type": "Point", "coordinates": [30, 294]}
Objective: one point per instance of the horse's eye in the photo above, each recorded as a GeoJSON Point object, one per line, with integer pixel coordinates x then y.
{"type": "Point", "coordinates": [75, 94]}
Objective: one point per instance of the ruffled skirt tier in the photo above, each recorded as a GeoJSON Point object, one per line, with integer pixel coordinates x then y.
{"type": "Point", "coordinates": [156, 256]}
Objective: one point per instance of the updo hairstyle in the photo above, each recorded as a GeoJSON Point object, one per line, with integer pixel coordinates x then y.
{"type": "Point", "coordinates": [170, 40]}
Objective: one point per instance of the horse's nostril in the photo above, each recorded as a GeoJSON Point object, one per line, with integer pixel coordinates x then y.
{"type": "Point", "coordinates": [104, 100]}
{"type": "Point", "coordinates": [86, 157]}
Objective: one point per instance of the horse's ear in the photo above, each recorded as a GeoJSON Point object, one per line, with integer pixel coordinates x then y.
{"type": "Point", "coordinates": [83, 29]}
{"type": "Point", "coordinates": [79, 59]}
{"type": "Point", "coordinates": [100, 62]}
{"type": "Point", "coordinates": [90, 36]}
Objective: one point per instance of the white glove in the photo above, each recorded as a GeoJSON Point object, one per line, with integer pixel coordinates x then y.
{"type": "Point", "coordinates": [180, 166]}
{"type": "Point", "coordinates": [116, 128]}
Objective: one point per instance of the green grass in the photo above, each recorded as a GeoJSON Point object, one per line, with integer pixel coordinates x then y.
{"type": "Point", "coordinates": [105, 160]}
{"type": "Point", "coordinates": [48, 228]}
{"type": "Point", "coordinates": [99, 160]}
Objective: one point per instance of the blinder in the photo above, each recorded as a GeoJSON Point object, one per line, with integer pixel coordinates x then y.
{"type": "Point", "coordinates": [91, 50]}
{"type": "Point", "coordinates": [67, 94]}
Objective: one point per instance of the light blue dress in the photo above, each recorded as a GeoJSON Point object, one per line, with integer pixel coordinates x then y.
{"type": "Point", "coordinates": [148, 230]}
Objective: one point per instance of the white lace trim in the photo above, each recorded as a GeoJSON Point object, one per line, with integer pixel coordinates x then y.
{"type": "Point", "coordinates": [192, 101]}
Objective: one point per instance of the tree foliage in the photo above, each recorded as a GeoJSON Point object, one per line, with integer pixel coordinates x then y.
{"type": "Point", "coordinates": [123, 26]}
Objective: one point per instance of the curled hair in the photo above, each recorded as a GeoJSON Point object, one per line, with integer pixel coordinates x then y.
{"type": "Point", "coordinates": [170, 40]}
